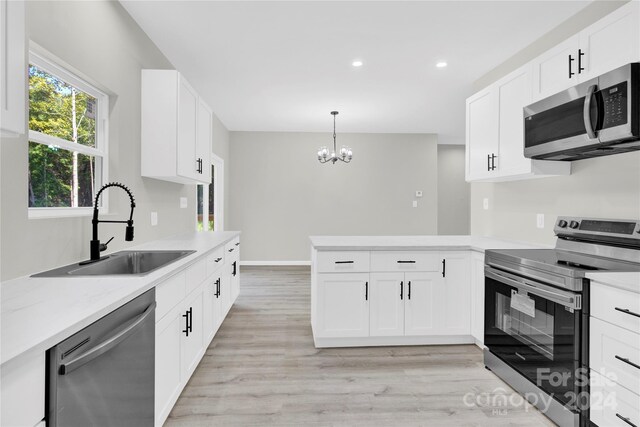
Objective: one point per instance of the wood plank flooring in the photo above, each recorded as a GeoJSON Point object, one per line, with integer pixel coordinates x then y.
{"type": "Point", "coordinates": [262, 369]}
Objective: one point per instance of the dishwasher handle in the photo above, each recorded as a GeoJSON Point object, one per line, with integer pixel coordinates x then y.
{"type": "Point", "coordinates": [107, 345]}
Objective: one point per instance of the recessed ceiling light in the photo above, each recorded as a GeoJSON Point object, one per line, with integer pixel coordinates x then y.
{"type": "Point", "coordinates": [357, 63]}
{"type": "Point", "coordinates": [441, 64]}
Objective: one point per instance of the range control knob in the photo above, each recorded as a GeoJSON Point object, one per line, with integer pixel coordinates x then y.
{"type": "Point", "coordinates": [562, 223]}
{"type": "Point", "coordinates": [574, 224]}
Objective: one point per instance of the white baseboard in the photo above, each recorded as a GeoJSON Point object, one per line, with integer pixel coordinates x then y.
{"type": "Point", "coordinates": [275, 263]}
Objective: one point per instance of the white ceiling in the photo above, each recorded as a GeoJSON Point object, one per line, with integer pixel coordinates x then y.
{"type": "Point", "coordinates": [283, 66]}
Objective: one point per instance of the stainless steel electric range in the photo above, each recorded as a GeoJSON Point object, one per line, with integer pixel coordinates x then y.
{"type": "Point", "coordinates": [537, 312]}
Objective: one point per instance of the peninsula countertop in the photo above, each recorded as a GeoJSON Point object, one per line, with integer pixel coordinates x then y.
{"type": "Point", "coordinates": [37, 313]}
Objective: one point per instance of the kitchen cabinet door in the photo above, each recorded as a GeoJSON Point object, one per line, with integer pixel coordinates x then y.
{"type": "Point", "coordinates": [187, 119]}
{"type": "Point", "coordinates": [203, 141]}
{"type": "Point", "coordinates": [420, 309]}
{"type": "Point", "coordinates": [455, 303]}
{"type": "Point", "coordinates": [13, 69]}
{"type": "Point", "coordinates": [225, 292]}
{"type": "Point", "coordinates": [191, 342]}
{"type": "Point", "coordinates": [477, 296]}
{"type": "Point", "coordinates": [611, 42]}
{"type": "Point", "coordinates": [551, 69]}
{"type": "Point", "coordinates": [343, 305]}
{"type": "Point", "coordinates": [386, 309]}
{"type": "Point", "coordinates": [514, 93]}
{"type": "Point", "coordinates": [481, 133]}
{"type": "Point", "coordinates": [208, 316]}
{"type": "Point", "coordinates": [167, 380]}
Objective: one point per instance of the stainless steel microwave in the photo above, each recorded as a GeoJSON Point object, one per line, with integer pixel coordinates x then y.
{"type": "Point", "coordinates": [598, 117]}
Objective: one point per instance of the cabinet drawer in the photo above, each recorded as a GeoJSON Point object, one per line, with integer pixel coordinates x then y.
{"type": "Point", "coordinates": [343, 262]}
{"type": "Point", "coordinates": [196, 273]}
{"type": "Point", "coordinates": [406, 261]}
{"type": "Point", "coordinates": [611, 403]}
{"type": "Point", "coordinates": [169, 293]}
{"type": "Point", "coordinates": [232, 247]}
{"type": "Point", "coordinates": [215, 260]}
{"type": "Point", "coordinates": [616, 306]}
{"type": "Point", "coordinates": [23, 386]}
{"type": "Point", "coordinates": [610, 344]}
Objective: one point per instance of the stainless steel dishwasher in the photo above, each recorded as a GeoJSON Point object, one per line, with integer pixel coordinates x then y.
{"type": "Point", "coordinates": [104, 374]}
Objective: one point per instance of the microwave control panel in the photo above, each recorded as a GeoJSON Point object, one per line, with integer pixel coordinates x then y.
{"type": "Point", "coordinates": [614, 101]}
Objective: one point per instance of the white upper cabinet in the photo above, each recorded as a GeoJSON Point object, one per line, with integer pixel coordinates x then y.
{"type": "Point", "coordinates": [494, 134]}
{"type": "Point", "coordinates": [13, 69]}
{"type": "Point", "coordinates": [609, 43]}
{"type": "Point", "coordinates": [176, 129]}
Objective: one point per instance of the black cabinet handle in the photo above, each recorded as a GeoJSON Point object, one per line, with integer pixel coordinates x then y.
{"type": "Point", "coordinates": [444, 268]}
{"type": "Point", "coordinates": [406, 262]}
{"type": "Point", "coordinates": [199, 167]}
{"type": "Point", "coordinates": [189, 321]}
{"type": "Point", "coordinates": [218, 259]}
{"type": "Point", "coordinates": [401, 284]}
{"type": "Point", "coordinates": [627, 361]}
{"type": "Point", "coordinates": [409, 290]}
{"type": "Point", "coordinates": [571, 73]}
{"type": "Point", "coordinates": [344, 262]}
{"type": "Point", "coordinates": [235, 268]}
{"type": "Point", "coordinates": [493, 161]}
{"type": "Point", "coordinates": [231, 250]}
{"type": "Point", "coordinates": [366, 291]}
{"type": "Point", "coordinates": [626, 420]}
{"type": "Point", "coordinates": [627, 311]}
{"type": "Point", "coordinates": [238, 244]}
{"type": "Point", "coordinates": [218, 288]}
{"type": "Point", "coordinates": [488, 162]}
{"type": "Point", "coordinates": [580, 55]}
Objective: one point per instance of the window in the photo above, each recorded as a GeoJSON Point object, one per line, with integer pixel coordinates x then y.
{"type": "Point", "coordinates": [67, 140]}
{"type": "Point", "coordinates": [209, 199]}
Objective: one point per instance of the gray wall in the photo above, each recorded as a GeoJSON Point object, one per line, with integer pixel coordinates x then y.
{"type": "Point", "coordinates": [282, 194]}
{"type": "Point", "coordinates": [608, 187]}
{"type": "Point", "coordinates": [99, 39]}
{"type": "Point", "coordinates": [453, 191]}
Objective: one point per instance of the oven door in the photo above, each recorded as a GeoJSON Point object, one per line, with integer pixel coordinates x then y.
{"type": "Point", "coordinates": [536, 329]}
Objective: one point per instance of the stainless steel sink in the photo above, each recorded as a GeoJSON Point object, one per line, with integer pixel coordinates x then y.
{"type": "Point", "coordinates": [130, 263]}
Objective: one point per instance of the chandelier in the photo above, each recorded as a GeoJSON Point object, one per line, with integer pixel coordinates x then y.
{"type": "Point", "coordinates": [345, 154]}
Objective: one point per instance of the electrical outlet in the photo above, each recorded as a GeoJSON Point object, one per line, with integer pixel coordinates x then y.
{"type": "Point", "coordinates": [154, 218]}
{"type": "Point", "coordinates": [485, 203]}
{"type": "Point", "coordinates": [415, 203]}
{"type": "Point", "coordinates": [183, 202]}
{"type": "Point", "coordinates": [540, 220]}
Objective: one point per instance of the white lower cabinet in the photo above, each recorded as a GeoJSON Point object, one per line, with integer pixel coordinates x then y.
{"type": "Point", "coordinates": [168, 384]}
{"type": "Point", "coordinates": [23, 391]}
{"type": "Point", "coordinates": [407, 297]}
{"type": "Point", "coordinates": [343, 305]}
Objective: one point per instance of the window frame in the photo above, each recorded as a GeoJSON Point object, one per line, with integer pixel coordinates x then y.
{"type": "Point", "coordinates": [58, 68]}
{"type": "Point", "coordinates": [218, 197]}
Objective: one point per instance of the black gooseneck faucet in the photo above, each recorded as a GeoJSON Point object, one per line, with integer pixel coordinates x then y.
{"type": "Point", "coordinates": [97, 247]}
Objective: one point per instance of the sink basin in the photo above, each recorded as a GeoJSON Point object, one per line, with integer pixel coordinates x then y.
{"type": "Point", "coordinates": [130, 263]}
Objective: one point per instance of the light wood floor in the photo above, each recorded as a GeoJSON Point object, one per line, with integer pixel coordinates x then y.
{"type": "Point", "coordinates": [262, 369]}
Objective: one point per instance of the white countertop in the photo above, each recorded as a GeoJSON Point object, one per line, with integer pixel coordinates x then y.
{"type": "Point", "coordinates": [37, 313]}
{"type": "Point", "coordinates": [629, 281]}
{"type": "Point", "coordinates": [386, 243]}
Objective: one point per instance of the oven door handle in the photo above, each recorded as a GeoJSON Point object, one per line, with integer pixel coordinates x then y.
{"type": "Point", "coordinates": [567, 299]}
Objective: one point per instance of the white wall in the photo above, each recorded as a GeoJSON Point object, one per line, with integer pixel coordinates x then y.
{"type": "Point", "coordinates": [453, 191]}
{"type": "Point", "coordinates": [607, 187]}
{"type": "Point", "coordinates": [282, 194]}
{"type": "Point", "coordinates": [102, 41]}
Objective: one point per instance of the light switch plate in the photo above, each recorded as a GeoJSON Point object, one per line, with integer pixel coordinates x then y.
{"type": "Point", "coordinates": [415, 203]}
{"type": "Point", "coordinates": [154, 218]}
{"type": "Point", "coordinates": [183, 202]}
{"type": "Point", "coordinates": [540, 220]}
{"type": "Point", "coordinates": [485, 203]}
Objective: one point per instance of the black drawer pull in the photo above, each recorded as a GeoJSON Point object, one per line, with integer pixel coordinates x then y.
{"type": "Point", "coordinates": [444, 268]}
{"type": "Point", "coordinates": [231, 250]}
{"type": "Point", "coordinates": [401, 289]}
{"type": "Point", "coordinates": [488, 162]}
{"type": "Point", "coordinates": [626, 420]}
{"type": "Point", "coordinates": [409, 290]}
{"type": "Point", "coordinates": [344, 262]}
{"type": "Point", "coordinates": [627, 361]}
{"type": "Point", "coordinates": [627, 311]}
{"type": "Point", "coordinates": [406, 262]}
{"type": "Point", "coordinates": [238, 244]}
{"type": "Point", "coordinates": [366, 291]}
{"type": "Point", "coordinates": [218, 259]}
